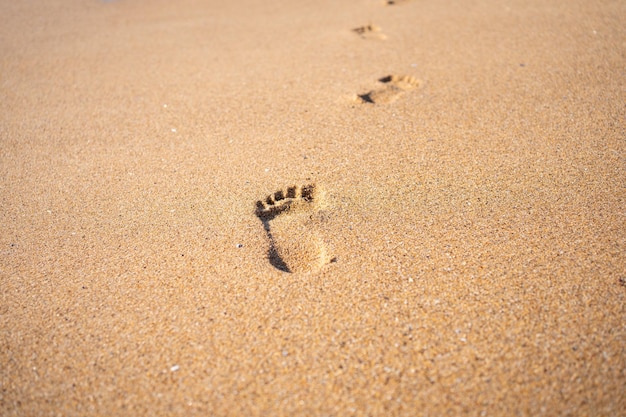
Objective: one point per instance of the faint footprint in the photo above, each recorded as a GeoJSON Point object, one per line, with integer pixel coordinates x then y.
{"type": "Point", "coordinates": [290, 218]}
{"type": "Point", "coordinates": [395, 2]}
{"type": "Point", "coordinates": [369, 32]}
{"type": "Point", "coordinates": [395, 86]}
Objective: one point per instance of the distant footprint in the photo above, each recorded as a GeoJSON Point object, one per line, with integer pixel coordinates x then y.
{"type": "Point", "coordinates": [395, 2]}
{"type": "Point", "coordinates": [394, 87]}
{"type": "Point", "coordinates": [290, 218]}
{"type": "Point", "coordinates": [369, 32]}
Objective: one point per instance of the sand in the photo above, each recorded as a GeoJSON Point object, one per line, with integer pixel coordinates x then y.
{"type": "Point", "coordinates": [312, 207]}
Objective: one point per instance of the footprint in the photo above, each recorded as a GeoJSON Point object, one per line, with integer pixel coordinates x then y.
{"type": "Point", "coordinates": [395, 86]}
{"type": "Point", "coordinates": [395, 2]}
{"type": "Point", "coordinates": [369, 32]}
{"type": "Point", "coordinates": [291, 218]}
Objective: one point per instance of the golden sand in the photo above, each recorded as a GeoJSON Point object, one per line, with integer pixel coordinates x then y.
{"type": "Point", "coordinates": [312, 208]}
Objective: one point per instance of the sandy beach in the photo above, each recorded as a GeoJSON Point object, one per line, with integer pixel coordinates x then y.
{"type": "Point", "coordinates": [313, 208]}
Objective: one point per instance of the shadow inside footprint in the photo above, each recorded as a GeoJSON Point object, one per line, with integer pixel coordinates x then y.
{"type": "Point", "coordinates": [276, 261]}
{"type": "Point", "coordinates": [288, 217]}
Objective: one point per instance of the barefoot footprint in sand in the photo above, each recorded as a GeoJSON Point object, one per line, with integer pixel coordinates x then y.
{"type": "Point", "coordinates": [370, 32]}
{"type": "Point", "coordinates": [395, 2]}
{"type": "Point", "coordinates": [394, 87]}
{"type": "Point", "coordinates": [290, 218]}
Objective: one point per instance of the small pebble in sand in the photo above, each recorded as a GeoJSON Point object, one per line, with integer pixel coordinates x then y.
{"type": "Point", "coordinates": [174, 368]}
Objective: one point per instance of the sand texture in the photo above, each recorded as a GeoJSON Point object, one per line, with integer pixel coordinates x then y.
{"type": "Point", "coordinates": [312, 208]}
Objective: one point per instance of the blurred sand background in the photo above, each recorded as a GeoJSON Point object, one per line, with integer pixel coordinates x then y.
{"type": "Point", "coordinates": [462, 252]}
